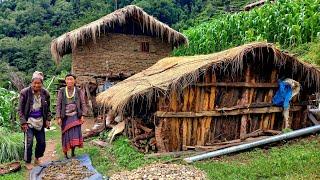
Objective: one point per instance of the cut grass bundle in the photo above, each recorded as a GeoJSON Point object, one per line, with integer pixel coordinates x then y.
{"type": "Point", "coordinates": [11, 145]}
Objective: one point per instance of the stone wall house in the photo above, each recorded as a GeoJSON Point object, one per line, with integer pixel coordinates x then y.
{"type": "Point", "coordinates": [117, 45]}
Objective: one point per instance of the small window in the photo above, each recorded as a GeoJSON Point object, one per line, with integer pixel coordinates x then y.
{"type": "Point", "coordinates": [145, 47]}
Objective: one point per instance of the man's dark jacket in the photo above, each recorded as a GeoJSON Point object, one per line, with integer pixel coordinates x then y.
{"type": "Point", "coordinates": [26, 102]}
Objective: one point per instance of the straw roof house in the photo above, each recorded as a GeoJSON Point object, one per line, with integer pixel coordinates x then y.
{"type": "Point", "coordinates": [198, 100]}
{"type": "Point", "coordinates": [125, 41]}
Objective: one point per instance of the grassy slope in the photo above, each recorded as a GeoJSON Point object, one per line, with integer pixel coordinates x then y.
{"type": "Point", "coordinates": [295, 159]}
{"type": "Point", "coordinates": [308, 52]}
{"type": "Point", "coordinates": [300, 160]}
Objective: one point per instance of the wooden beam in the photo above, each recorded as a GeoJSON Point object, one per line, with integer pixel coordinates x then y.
{"type": "Point", "coordinates": [234, 112]}
{"type": "Point", "coordinates": [239, 84]}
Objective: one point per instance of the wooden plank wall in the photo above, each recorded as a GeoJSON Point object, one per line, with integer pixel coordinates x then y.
{"type": "Point", "coordinates": [216, 91]}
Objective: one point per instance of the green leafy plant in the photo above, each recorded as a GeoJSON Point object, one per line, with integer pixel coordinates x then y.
{"type": "Point", "coordinates": [11, 145]}
{"type": "Point", "coordinates": [288, 22]}
{"type": "Point", "coordinates": [8, 113]}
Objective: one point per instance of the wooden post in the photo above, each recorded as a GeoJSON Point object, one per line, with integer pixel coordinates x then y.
{"type": "Point", "coordinates": [185, 120]}
{"type": "Point", "coordinates": [196, 123]}
{"type": "Point", "coordinates": [205, 123]}
{"type": "Point", "coordinates": [212, 99]}
{"type": "Point", "coordinates": [245, 100]}
{"type": "Point", "coordinates": [174, 122]}
{"type": "Point", "coordinates": [190, 120]}
{"type": "Point", "coordinates": [268, 120]}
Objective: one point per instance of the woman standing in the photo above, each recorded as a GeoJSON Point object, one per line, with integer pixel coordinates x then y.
{"type": "Point", "coordinates": [71, 108]}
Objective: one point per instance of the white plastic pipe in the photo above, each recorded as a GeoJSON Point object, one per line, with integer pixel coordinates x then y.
{"type": "Point", "coordinates": [241, 147]}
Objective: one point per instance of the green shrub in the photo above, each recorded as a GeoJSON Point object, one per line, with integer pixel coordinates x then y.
{"type": "Point", "coordinates": [8, 109]}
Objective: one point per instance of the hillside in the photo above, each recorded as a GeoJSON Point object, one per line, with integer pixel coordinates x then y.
{"type": "Point", "coordinates": [288, 23]}
{"type": "Point", "coordinates": [27, 27]}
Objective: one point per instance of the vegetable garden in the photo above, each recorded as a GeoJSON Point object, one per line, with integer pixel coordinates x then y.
{"type": "Point", "coordinates": [287, 22]}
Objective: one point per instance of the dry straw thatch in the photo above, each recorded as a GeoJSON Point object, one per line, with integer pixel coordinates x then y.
{"type": "Point", "coordinates": [69, 41]}
{"type": "Point", "coordinates": [178, 72]}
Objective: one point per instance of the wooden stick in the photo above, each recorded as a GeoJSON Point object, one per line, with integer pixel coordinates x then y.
{"type": "Point", "coordinates": [196, 121]}
{"type": "Point", "coordinates": [192, 129]}
{"type": "Point", "coordinates": [245, 100]}
{"type": "Point", "coordinates": [185, 120]}
{"type": "Point", "coordinates": [209, 149]}
{"type": "Point", "coordinates": [214, 113]}
{"type": "Point", "coordinates": [238, 84]}
{"type": "Point", "coordinates": [205, 124]}
{"type": "Point", "coordinates": [268, 120]}
{"type": "Point", "coordinates": [143, 136]}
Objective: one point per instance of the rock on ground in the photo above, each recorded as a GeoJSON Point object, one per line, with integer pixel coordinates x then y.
{"type": "Point", "coordinates": [161, 172]}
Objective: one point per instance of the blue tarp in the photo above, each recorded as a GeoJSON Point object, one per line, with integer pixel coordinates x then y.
{"type": "Point", "coordinates": [35, 174]}
{"type": "Point", "coordinates": [283, 95]}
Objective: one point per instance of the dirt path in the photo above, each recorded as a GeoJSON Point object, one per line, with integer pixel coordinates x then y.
{"type": "Point", "coordinates": [88, 124]}
{"type": "Point", "coordinates": [50, 154]}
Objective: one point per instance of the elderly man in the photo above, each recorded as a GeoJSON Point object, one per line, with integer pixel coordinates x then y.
{"type": "Point", "coordinates": [35, 115]}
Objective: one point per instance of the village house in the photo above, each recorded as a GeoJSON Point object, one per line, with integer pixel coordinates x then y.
{"type": "Point", "coordinates": [117, 45]}
{"type": "Point", "coordinates": [199, 101]}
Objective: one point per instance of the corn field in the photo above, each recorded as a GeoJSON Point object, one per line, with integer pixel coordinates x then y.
{"type": "Point", "coordinates": [287, 22]}
{"type": "Point", "coordinates": [8, 109]}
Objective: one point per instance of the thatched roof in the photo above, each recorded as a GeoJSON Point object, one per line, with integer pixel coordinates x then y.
{"type": "Point", "coordinates": [178, 72]}
{"type": "Point", "coordinates": [69, 41]}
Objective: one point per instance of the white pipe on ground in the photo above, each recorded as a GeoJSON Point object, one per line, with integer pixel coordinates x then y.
{"type": "Point", "coordinates": [241, 147]}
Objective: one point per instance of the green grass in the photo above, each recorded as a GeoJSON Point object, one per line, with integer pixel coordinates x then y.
{"type": "Point", "coordinates": [297, 159]}
{"type": "Point", "coordinates": [119, 157]}
{"type": "Point", "coordinates": [54, 134]}
{"type": "Point", "coordinates": [15, 176]}
{"type": "Point", "coordinates": [11, 145]}
{"type": "Point", "coordinates": [308, 52]}
{"type": "Point", "coordinates": [300, 160]}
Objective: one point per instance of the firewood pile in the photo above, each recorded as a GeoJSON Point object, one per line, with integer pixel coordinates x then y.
{"type": "Point", "coordinates": [161, 171]}
{"type": "Point", "coordinates": [142, 135]}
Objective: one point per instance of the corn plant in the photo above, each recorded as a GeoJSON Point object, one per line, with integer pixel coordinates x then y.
{"type": "Point", "coordinates": [8, 109]}
{"type": "Point", "coordinates": [287, 22]}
